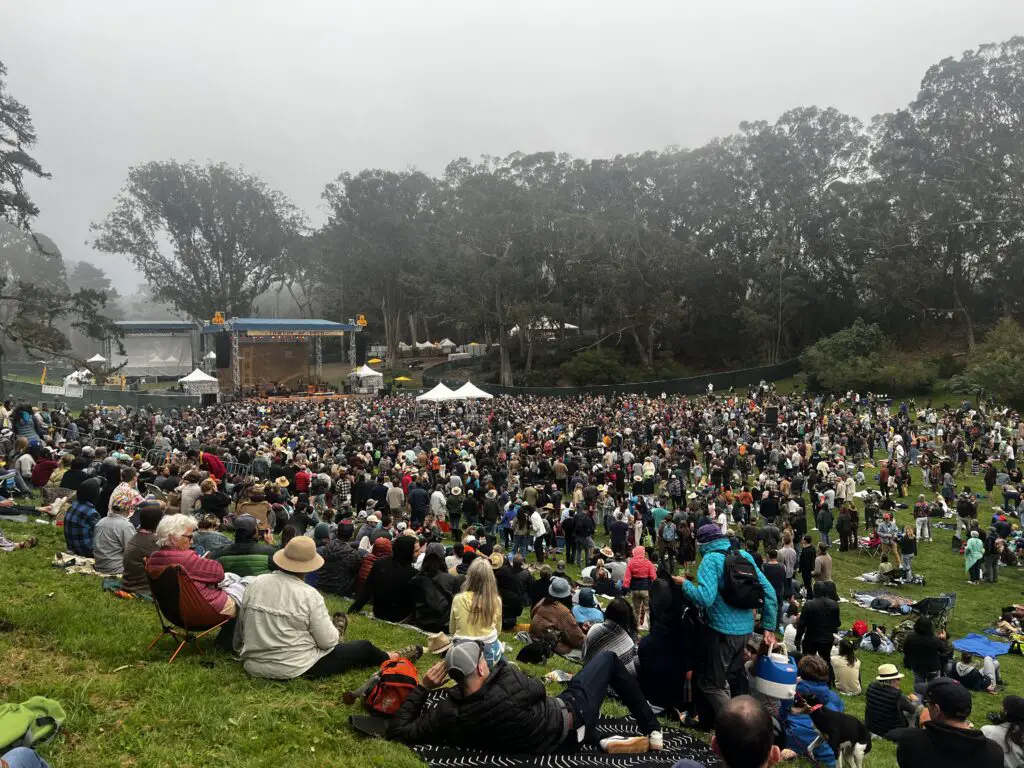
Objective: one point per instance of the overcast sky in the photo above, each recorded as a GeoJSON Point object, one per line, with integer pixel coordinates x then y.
{"type": "Point", "coordinates": [300, 91]}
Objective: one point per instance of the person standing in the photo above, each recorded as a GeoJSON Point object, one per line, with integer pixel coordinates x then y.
{"type": "Point", "coordinates": [808, 555]}
{"type": "Point", "coordinates": [974, 553]}
{"type": "Point", "coordinates": [922, 519]}
{"type": "Point", "coordinates": [816, 628]}
{"type": "Point", "coordinates": [908, 551]}
{"type": "Point", "coordinates": [728, 626]}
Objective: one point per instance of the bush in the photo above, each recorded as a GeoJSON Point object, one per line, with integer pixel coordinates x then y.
{"type": "Point", "coordinates": [593, 366]}
{"type": "Point", "coordinates": [997, 366]}
{"type": "Point", "coordinates": [947, 366]}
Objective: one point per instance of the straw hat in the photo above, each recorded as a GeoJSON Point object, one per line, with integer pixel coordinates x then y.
{"type": "Point", "coordinates": [282, 481]}
{"type": "Point", "coordinates": [438, 643]}
{"type": "Point", "coordinates": [888, 672]}
{"type": "Point", "coordinates": [298, 556]}
{"type": "Point", "coordinates": [497, 560]}
{"type": "Point", "coordinates": [457, 491]}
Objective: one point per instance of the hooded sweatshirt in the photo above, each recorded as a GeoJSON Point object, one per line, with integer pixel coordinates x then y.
{"type": "Point", "coordinates": [640, 572]}
{"type": "Point", "coordinates": [722, 617]}
{"type": "Point", "coordinates": [938, 745]}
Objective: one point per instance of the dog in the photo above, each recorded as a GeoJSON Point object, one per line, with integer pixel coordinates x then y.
{"type": "Point", "coordinates": [848, 736]}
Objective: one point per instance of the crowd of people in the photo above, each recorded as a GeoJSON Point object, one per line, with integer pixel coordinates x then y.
{"type": "Point", "coordinates": [471, 521]}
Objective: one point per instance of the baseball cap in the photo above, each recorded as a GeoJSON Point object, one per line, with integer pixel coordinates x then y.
{"type": "Point", "coordinates": [462, 660]}
{"type": "Point", "coordinates": [952, 699]}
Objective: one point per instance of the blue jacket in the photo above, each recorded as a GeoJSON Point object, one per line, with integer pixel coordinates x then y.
{"type": "Point", "coordinates": [722, 617]}
{"type": "Point", "coordinates": [820, 691]}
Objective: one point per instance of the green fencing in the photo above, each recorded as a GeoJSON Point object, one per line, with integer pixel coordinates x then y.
{"type": "Point", "coordinates": [23, 392]}
{"type": "Point", "coordinates": [693, 385]}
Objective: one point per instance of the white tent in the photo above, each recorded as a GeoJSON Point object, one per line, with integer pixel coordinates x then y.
{"type": "Point", "coordinates": [447, 345]}
{"type": "Point", "coordinates": [97, 359]}
{"type": "Point", "coordinates": [438, 394]}
{"type": "Point", "coordinates": [211, 355]}
{"type": "Point", "coordinates": [195, 377]}
{"type": "Point", "coordinates": [470, 391]}
{"type": "Point", "coordinates": [366, 380]}
{"type": "Point", "coordinates": [365, 371]}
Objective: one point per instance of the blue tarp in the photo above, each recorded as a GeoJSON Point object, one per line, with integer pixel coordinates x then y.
{"type": "Point", "coordinates": [981, 645]}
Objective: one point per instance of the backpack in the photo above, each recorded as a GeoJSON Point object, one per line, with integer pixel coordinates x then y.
{"type": "Point", "coordinates": [35, 721]}
{"type": "Point", "coordinates": [668, 533]}
{"type": "Point", "coordinates": [395, 680]}
{"type": "Point", "coordinates": [740, 586]}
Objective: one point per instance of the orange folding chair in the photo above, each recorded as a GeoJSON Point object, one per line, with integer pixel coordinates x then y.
{"type": "Point", "coordinates": [183, 612]}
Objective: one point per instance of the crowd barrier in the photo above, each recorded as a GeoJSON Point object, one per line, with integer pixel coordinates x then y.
{"type": "Point", "coordinates": [694, 385]}
{"type": "Point", "coordinates": [21, 391]}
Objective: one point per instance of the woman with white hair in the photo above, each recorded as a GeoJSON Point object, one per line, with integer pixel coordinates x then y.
{"type": "Point", "coordinates": [174, 537]}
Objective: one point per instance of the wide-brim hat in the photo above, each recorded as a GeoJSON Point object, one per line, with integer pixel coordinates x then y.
{"type": "Point", "coordinates": [606, 551]}
{"type": "Point", "coordinates": [457, 491]}
{"type": "Point", "coordinates": [888, 672]}
{"type": "Point", "coordinates": [492, 494]}
{"type": "Point", "coordinates": [439, 643]}
{"type": "Point", "coordinates": [282, 481]}
{"type": "Point", "coordinates": [497, 560]}
{"type": "Point", "coordinates": [372, 519]}
{"type": "Point", "coordinates": [559, 588]}
{"type": "Point", "coordinates": [298, 556]}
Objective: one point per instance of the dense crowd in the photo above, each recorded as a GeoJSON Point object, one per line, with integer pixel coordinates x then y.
{"type": "Point", "coordinates": [463, 519]}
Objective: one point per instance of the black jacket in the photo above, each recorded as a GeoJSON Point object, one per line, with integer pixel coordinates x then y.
{"type": "Point", "coordinates": [886, 708]}
{"type": "Point", "coordinates": [387, 587]}
{"type": "Point", "coordinates": [432, 598]}
{"type": "Point", "coordinates": [511, 713]}
{"type": "Point", "coordinates": [938, 745]}
{"type": "Point", "coordinates": [818, 621]}
{"type": "Point", "coordinates": [807, 555]}
{"type": "Point", "coordinates": [925, 654]}
{"type": "Point", "coordinates": [513, 596]}
{"type": "Point", "coordinates": [341, 564]}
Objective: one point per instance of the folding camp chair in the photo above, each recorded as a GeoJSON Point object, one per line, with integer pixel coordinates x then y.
{"type": "Point", "coordinates": [875, 552]}
{"type": "Point", "coordinates": [155, 492]}
{"type": "Point", "coordinates": [179, 604]}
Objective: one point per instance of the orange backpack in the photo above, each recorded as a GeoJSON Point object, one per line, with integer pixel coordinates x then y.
{"type": "Point", "coordinates": [395, 682]}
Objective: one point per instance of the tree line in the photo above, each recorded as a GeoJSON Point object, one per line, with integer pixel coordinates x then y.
{"type": "Point", "coordinates": [742, 251]}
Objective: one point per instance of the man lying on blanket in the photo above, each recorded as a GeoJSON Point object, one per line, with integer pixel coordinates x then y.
{"type": "Point", "coordinates": [528, 720]}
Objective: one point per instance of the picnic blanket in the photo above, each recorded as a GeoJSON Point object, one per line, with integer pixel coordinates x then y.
{"type": "Point", "coordinates": [678, 746]}
{"type": "Point", "coordinates": [980, 645]}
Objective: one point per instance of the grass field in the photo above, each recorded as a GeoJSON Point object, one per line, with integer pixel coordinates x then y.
{"type": "Point", "coordinates": [62, 637]}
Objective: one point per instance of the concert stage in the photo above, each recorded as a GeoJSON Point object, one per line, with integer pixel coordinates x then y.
{"type": "Point", "coordinates": [257, 355]}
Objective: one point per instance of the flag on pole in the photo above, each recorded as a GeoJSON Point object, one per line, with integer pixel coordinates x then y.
{"type": "Point", "coordinates": [42, 379]}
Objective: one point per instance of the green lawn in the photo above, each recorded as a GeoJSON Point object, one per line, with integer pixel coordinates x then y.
{"type": "Point", "coordinates": [68, 640]}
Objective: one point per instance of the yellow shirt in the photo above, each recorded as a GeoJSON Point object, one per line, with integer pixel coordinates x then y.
{"type": "Point", "coordinates": [462, 625]}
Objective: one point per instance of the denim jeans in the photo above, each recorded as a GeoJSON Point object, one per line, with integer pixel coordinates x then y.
{"type": "Point", "coordinates": [521, 545]}
{"type": "Point", "coordinates": [908, 565]}
{"type": "Point", "coordinates": [23, 757]}
{"type": "Point", "coordinates": [589, 687]}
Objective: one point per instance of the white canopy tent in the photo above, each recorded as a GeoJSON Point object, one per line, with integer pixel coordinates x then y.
{"type": "Point", "coordinates": [200, 383]}
{"type": "Point", "coordinates": [97, 359]}
{"type": "Point", "coordinates": [438, 394]}
{"type": "Point", "coordinates": [366, 380]}
{"type": "Point", "coordinates": [470, 391]}
{"type": "Point", "coordinates": [447, 345]}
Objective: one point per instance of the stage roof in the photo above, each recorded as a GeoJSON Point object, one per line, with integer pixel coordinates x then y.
{"type": "Point", "coordinates": [156, 326]}
{"type": "Point", "coordinates": [279, 325]}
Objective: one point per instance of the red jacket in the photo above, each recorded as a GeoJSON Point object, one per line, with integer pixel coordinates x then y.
{"type": "Point", "coordinates": [213, 465]}
{"type": "Point", "coordinates": [205, 574]}
{"type": "Point", "coordinates": [42, 470]}
{"type": "Point", "coordinates": [302, 480]}
{"type": "Point", "coordinates": [640, 571]}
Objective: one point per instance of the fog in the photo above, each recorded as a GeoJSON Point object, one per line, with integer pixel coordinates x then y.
{"type": "Point", "coordinates": [299, 92]}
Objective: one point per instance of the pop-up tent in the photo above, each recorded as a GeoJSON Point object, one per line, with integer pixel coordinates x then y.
{"type": "Point", "coordinates": [365, 379]}
{"type": "Point", "coordinates": [438, 394]}
{"type": "Point", "coordinates": [199, 383]}
{"type": "Point", "coordinates": [470, 391]}
{"type": "Point", "coordinates": [97, 359]}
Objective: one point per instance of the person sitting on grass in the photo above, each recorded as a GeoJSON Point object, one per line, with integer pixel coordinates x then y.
{"type": "Point", "coordinates": [284, 630]}
{"type": "Point", "coordinates": [341, 562]}
{"type": "Point", "coordinates": [504, 711]}
{"type": "Point", "coordinates": [111, 537]}
{"type": "Point", "coordinates": [141, 546]}
{"type": "Point", "coordinates": [847, 668]}
{"type": "Point", "coordinates": [476, 611]}
{"type": "Point", "coordinates": [1008, 731]}
{"type": "Point", "coordinates": [554, 613]}
{"type": "Point", "coordinates": [250, 553]}
{"type": "Point", "coordinates": [616, 633]}
{"type": "Point", "coordinates": [974, 679]}
{"type": "Point", "coordinates": [387, 585]}
{"type": "Point", "coordinates": [209, 538]}
{"type": "Point", "coordinates": [887, 710]}
{"type": "Point", "coordinates": [586, 611]}
{"type": "Point", "coordinates": [81, 519]}
{"type": "Point", "coordinates": [22, 757]}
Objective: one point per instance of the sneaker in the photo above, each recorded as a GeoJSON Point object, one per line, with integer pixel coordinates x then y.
{"type": "Point", "coordinates": [656, 740]}
{"type": "Point", "coordinates": [410, 652]}
{"type": "Point", "coordinates": [626, 745]}
{"type": "Point", "coordinates": [341, 623]}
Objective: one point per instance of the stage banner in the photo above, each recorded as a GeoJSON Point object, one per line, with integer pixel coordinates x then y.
{"type": "Point", "coordinates": [74, 390]}
{"type": "Point", "coordinates": [53, 389]}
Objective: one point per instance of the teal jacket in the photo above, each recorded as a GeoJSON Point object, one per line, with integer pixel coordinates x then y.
{"type": "Point", "coordinates": [722, 617]}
